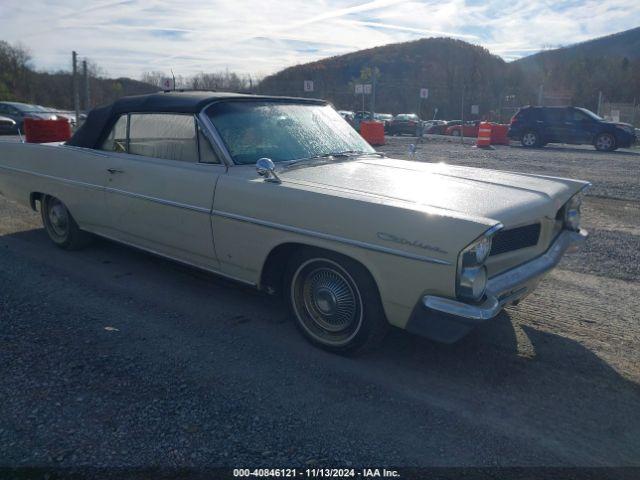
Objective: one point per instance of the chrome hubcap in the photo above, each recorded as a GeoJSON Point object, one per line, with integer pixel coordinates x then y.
{"type": "Point", "coordinates": [529, 139]}
{"type": "Point", "coordinates": [326, 301]}
{"type": "Point", "coordinates": [58, 218]}
{"type": "Point", "coordinates": [329, 299]}
{"type": "Point", "coordinates": [604, 142]}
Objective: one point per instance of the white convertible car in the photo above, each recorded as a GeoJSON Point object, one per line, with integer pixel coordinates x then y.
{"type": "Point", "coordinates": [283, 194]}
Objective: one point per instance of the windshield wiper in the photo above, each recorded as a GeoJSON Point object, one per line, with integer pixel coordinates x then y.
{"type": "Point", "coordinates": [344, 154]}
{"type": "Point", "coordinates": [355, 153]}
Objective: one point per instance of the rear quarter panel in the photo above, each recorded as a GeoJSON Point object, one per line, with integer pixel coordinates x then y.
{"type": "Point", "coordinates": [74, 175]}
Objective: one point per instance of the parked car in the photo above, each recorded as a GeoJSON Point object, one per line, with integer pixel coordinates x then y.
{"type": "Point", "coordinates": [436, 127]}
{"type": "Point", "coordinates": [428, 124]}
{"type": "Point", "coordinates": [7, 125]}
{"type": "Point", "coordinates": [469, 129]}
{"type": "Point", "coordinates": [346, 114]}
{"type": "Point", "coordinates": [538, 126]}
{"type": "Point", "coordinates": [405, 123]}
{"type": "Point", "coordinates": [360, 116]}
{"type": "Point", "coordinates": [281, 194]}
{"type": "Point", "coordinates": [385, 118]}
{"type": "Point", "coordinates": [69, 116]}
{"type": "Point", "coordinates": [19, 111]}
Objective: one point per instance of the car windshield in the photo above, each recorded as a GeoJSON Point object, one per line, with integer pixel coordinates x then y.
{"type": "Point", "coordinates": [283, 131]}
{"type": "Point", "coordinates": [590, 113]}
{"type": "Point", "coordinates": [25, 107]}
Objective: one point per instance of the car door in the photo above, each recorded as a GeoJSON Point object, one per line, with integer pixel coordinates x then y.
{"type": "Point", "coordinates": [6, 126]}
{"type": "Point", "coordinates": [582, 126]}
{"type": "Point", "coordinates": [12, 113]}
{"type": "Point", "coordinates": [558, 125]}
{"type": "Point", "coordinates": [159, 191]}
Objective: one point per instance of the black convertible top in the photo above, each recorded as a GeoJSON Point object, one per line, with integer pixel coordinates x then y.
{"type": "Point", "coordinates": [102, 119]}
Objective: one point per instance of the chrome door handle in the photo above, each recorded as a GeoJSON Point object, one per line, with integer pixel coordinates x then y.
{"type": "Point", "coordinates": [114, 170]}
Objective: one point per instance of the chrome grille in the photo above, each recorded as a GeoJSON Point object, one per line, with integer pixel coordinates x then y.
{"type": "Point", "coordinates": [515, 238]}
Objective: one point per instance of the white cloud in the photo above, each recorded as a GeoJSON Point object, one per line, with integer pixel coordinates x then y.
{"type": "Point", "coordinates": [127, 37]}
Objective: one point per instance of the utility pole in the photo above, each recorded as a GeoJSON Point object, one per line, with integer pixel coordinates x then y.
{"type": "Point", "coordinates": [540, 95]}
{"type": "Point", "coordinates": [462, 114]}
{"type": "Point", "coordinates": [373, 92]}
{"type": "Point", "coordinates": [599, 102]}
{"type": "Point", "coordinates": [85, 75]}
{"type": "Point", "coordinates": [76, 95]}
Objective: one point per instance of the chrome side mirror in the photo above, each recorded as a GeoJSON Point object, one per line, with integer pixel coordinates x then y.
{"type": "Point", "coordinates": [267, 169]}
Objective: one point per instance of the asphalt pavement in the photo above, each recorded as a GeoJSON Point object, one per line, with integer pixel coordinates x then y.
{"type": "Point", "coordinates": [111, 357]}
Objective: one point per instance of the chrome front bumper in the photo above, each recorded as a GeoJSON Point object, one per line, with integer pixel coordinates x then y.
{"type": "Point", "coordinates": [448, 320]}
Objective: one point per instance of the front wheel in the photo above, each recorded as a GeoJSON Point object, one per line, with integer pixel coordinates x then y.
{"type": "Point", "coordinates": [60, 225]}
{"type": "Point", "coordinates": [455, 133]}
{"type": "Point", "coordinates": [334, 301]}
{"type": "Point", "coordinates": [530, 139]}
{"type": "Point", "coordinates": [605, 142]}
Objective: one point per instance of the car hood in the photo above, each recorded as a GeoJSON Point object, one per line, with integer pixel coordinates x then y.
{"type": "Point", "coordinates": [625, 125]}
{"type": "Point", "coordinates": [40, 115]}
{"type": "Point", "coordinates": [482, 194]}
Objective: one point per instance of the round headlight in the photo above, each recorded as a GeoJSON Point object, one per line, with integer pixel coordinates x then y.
{"type": "Point", "coordinates": [572, 213]}
{"type": "Point", "coordinates": [482, 249]}
{"type": "Point", "coordinates": [473, 282]}
{"type": "Point", "coordinates": [477, 253]}
{"type": "Point", "coordinates": [572, 220]}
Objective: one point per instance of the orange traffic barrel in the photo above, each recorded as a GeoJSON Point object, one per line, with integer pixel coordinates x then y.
{"type": "Point", "coordinates": [42, 131]}
{"type": "Point", "coordinates": [372, 132]}
{"type": "Point", "coordinates": [484, 135]}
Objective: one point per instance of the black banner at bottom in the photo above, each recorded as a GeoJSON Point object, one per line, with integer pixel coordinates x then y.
{"type": "Point", "coordinates": [397, 473]}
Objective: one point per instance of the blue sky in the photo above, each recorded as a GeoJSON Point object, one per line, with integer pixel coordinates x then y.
{"type": "Point", "coordinates": [128, 37]}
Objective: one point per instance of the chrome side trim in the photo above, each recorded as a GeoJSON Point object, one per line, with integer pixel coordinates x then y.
{"type": "Point", "coordinates": [89, 151]}
{"type": "Point", "coordinates": [215, 138]}
{"type": "Point", "coordinates": [327, 236]}
{"type": "Point", "coordinates": [53, 177]}
{"type": "Point", "coordinates": [242, 218]}
{"type": "Point", "coordinates": [173, 259]}
{"type": "Point", "coordinates": [161, 201]}
{"type": "Point", "coordinates": [510, 285]}
{"type": "Point", "coordinates": [92, 186]}
{"type": "Point", "coordinates": [492, 231]}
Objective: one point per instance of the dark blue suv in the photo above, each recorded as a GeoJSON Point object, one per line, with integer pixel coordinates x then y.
{"type": "Point", "coordinates": [537, 126]}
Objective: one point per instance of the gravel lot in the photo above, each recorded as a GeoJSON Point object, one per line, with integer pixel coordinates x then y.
{"type": "Point", "coordinates": [114, 358]}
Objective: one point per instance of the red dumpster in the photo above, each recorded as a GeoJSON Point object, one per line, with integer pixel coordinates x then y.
{"type": "Point", "coordinates": [372, 132]}
{"type": "Point", "coordinates": [42, 131]}
{"type": "Point", "coordinates": [499, 134]}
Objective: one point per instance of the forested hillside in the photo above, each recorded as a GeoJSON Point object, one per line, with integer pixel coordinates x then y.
{"type": "Point", "coordinates": [458, 73]}
{"type": "Point", "coordinates": [20, 82]}
{"type": "Point", "coordinates": [610, 65]}
{"type": "Point", "coordinates": [445, 66]}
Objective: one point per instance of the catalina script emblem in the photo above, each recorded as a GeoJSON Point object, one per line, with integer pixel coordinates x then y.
{"type": "Point", "coordinates": [389, 237]}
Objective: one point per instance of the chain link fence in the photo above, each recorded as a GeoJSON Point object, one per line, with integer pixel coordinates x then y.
{"type": "Point", "coordinates": [621, 112]}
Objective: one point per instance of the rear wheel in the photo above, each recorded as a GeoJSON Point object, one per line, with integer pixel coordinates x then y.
{"type": "Point", "coordinates": [334, 301]}
{"type": "Point", "coordinates": [60, 225]}
{"type": "Point", "coordinates": [456, 133]}
{"type": "Point", "coordinates": [605, 142]}
{"type": "Point", "coordinates": [530, 139]}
